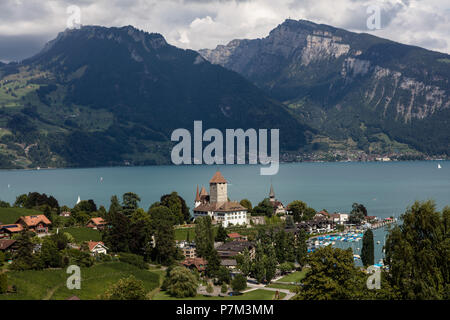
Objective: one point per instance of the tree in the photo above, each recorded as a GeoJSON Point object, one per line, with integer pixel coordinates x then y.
{"type": "Point", "coordinates": [224, 288]}
{"type": "Point", "coordinates": [300, 211]}
{"type": "Point", "coordinates": [259, 270]}
{"type": "Point", "coordinates": [358, 213]}
{"type": "Point", "coordinates": [209, 288]}
{"type": "Point", "coordinates": [239, 283]}
{"type": "Point", "coordinates": [332, 276]}
{"type": "Point", "coordinates": [130, 203]}
{"type": "Point", "coordinates": [418, 253]}
{"type": "Point", "coordinates": [223, 275]}
{"type": "Point", "coordinates": [244, 262]}
{"type": "Point", "coordinates": [140, 233]}
{"type": "Point", "coordinates": [367, 251]}
{"type": "Point", "coordinates": [270, 263]}
{"type": "Point", "coordinates": [23, 257]}
{"type": "Point", "coordinates": [264, 208]}
{"type": "Point", "coordinates": [3, 282]}
{"type": "Point", "coordinates": [221, 235]}
{"type": "Point", "coordinates": [246, 204]}
{"type": "Point", "coordinates": [50, 255]}
{"type": "Point", "coordinates": [177, 206]}
{"type": "Point", "coordinates": [164, 251]}
{"type": "Point", "coordinates": [301, 248]}
{"type": "Point", "coordinates": [126, 289]}
{"type": "Point", "coordinates": [204, 236]}
{"type": "Point", "coordinates": [181, 283]}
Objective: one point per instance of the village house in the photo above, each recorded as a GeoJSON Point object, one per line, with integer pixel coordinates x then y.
{"type": "Point", "coordinates": [96, 223]}
{"type": "Point", "coordinates": [229, 250]}
{"type": "Point", "coordinates": [187, 248]}
{"type": "Point", "coordinates": [199, 264]}
{"type": "Point", "coordinates": [8, 245]}
{"type": "Point", "coordinates": [65, 214]}
{"type": "Point", "coordinates": [39, 223]}
{"type": "Point", "coordinates": [7, 230]}
{"type": "Point", "coordinates": [97, 247]}
{"type": "Point", "coordinates": [278, 207]}
{"type": "Point", "coordinates": [237, 237]}
{"type": "Point", "coordinates": [217, 205]}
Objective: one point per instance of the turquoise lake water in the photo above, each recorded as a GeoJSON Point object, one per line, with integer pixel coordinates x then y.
{"type": "Point", "coordinates": [385, 188]}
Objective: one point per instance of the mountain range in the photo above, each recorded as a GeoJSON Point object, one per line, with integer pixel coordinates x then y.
{"type": "Point", "coordinates": [99, 96]}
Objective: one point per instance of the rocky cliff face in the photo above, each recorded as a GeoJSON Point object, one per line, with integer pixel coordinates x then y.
{"type": "Point", "coordinates": [310, 66]}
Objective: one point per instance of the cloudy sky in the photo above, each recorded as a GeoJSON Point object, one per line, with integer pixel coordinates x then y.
{"type": "Point", "coordinates": [25, 25]}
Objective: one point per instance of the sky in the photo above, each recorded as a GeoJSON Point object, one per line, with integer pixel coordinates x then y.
{"type": "Point", "coordinates": [26, 25]}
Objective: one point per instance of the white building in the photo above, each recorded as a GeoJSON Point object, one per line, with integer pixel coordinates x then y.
{"type": "Point", "coordinates": [216, 204]}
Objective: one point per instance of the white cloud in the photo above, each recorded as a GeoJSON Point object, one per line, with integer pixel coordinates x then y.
{"type": "Point", "coordinates": [205, 23]}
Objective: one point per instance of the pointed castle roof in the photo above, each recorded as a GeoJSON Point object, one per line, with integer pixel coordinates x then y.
{"type": "Point", "coordinates": [203, 192]}
{"type": "Point", "coordinates": [218, 178]}
{"type": "Point", "coordinates": [197, 195]}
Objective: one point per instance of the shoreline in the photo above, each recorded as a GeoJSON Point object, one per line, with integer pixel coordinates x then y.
{"type": "Point", "coordinates": [215, 165]}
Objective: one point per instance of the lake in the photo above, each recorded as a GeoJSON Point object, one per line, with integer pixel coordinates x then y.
{"type": "Point", "coordinates": [385, 188]}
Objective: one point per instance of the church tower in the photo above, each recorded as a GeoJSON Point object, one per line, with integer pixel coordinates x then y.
{"type": "Point", "coordinates": [271, 194]}
{"type": "Point", "coordinates": [218, 189]}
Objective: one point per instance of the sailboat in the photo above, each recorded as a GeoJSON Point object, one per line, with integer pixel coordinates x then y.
{"type": "Point", "coordinates": [439, 166]}
{"type": "Point", "coordinates": [79, 200]}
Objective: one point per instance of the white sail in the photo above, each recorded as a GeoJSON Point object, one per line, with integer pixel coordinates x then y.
{"type": "Point", "coordinates": [439, 166]}
{"type": "Point", "coordinates": [79, 200]}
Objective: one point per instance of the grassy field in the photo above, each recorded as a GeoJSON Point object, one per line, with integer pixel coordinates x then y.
{"type": "Point", "coordinates": [84, 234]}
{"type": "Point", "coordinates": [294, 277]}
{"type": "Point", "coordinates": [51, 284]}
{"type": "Point", "coordinates": [259, 294]}
{"type": "Point", "coordinates": [275, 285]}
{"type": "Point", "coordinates": [10, 215]}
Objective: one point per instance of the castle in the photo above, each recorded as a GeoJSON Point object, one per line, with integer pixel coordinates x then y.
{"type": "Point", "coordinates": [217, 205]}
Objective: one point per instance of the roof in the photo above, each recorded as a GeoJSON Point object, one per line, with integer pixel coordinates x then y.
{"type": "Point", "coordinates": [234, 246]}
{"type": "Point", "coordinates": [234, 235]}
{"type": "Point", "coordinates": [12, 227]}
{"type": "Point", "coordinates": [98, 220]}
{"type": "Point", "coordinates": [32, 221]}
{"type": "Point", "coordinates": [203, 192]}
{"type": "Point", "coordinates": [197, 195]}
{"type": "Point", "coordinates": [271, 193]}
{"type": "Point", "coordinates": [93, 244]}
{"type": "Point", "coordinates": [5, 244]}
{"type": "Point", "coordinates": [218, 178]}
{"type": "Point", "coordinates": [228, 206]}
{"type": "Point", "coordinates": [229, 262]}
{"type": "Point", "coordinates": [199, 263]}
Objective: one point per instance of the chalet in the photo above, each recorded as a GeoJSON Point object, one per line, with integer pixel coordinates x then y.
{"type": "Point", "coordinates": [96, 223]}
{"type": "Point", "coordinates": [7, 245]}
{"type": "Point", "coordinates": [97, 247]}
{"type": "Point", "coordinates": [236, 236]}
{"type": "Point", "coordinates": [65, 214]}
{"type": "Point", "coordinates": [231, 249]}
{"type": "Point", "coordinates": [38, 224]}
{"type": "Point", "coordinates": [195, 263]}
{"type": "Point", "coordinates": [7, 230]}
{"type": "Point", "coordinates": [229, 263]}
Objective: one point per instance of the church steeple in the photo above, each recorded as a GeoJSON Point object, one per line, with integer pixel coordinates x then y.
{"type": "Point", "coordinates": [271, 193]}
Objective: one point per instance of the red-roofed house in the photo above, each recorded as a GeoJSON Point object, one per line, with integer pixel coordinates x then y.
{"type": "Point", "coordinates": [8, 245]}
{"type": "Point", "coordinates": [7, 230]}
{"type": "Point", "coordinates": [237, 236]}
{"type": "Point", "coordinates": [38, 223]}
{"type": "Point", "coordinates": [197, 263]}
{"type": "Point", "coordinates": [96, 223]}
{"type": "Point", "coordinates": [97, 247]}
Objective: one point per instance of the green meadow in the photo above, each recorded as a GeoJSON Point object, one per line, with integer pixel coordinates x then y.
{"type": "Point", "coordinates": [51, 284]}
{"type": "Point", "coordinates": [84, 234]}
{"type": "Point", "coordinates": [10, 215]}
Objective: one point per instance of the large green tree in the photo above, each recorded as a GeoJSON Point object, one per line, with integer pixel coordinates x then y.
{"type": "Point", "coordinates": [332, 276]}
{"type": "Point", "coordinates": [126, 289]}
{"type": "Point", "coordinates": [418, 253]}
{"type": "Point", "coordinates": [164, 250]}
{"type": "Point", "coordinates": [181, 283]}
{"type": "Point", "coordinates": [367, 251]}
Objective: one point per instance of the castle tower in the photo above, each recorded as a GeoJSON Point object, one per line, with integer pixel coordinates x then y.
{"type": "Point", "coordinates": [218, 189]}
{"type": "Point", "coordinates": [197, 201]}
{"type": "Point", "coordinates": [271, 194]}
